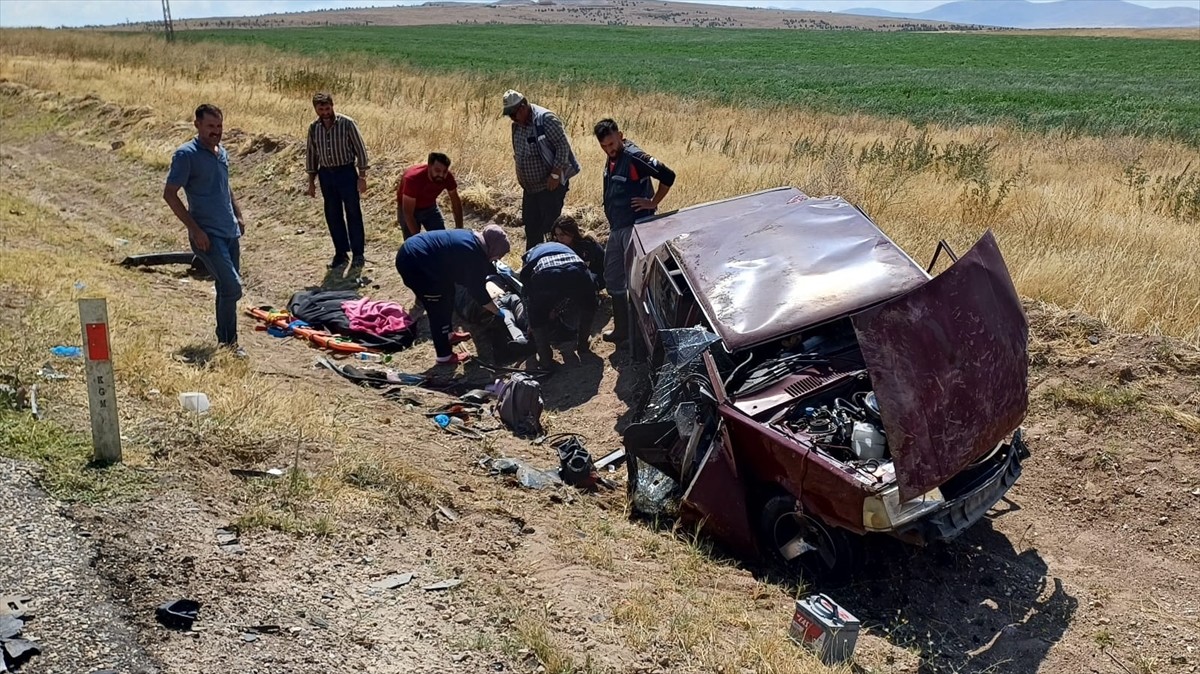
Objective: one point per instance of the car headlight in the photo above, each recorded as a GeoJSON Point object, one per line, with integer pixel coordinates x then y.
{"type": "Point", "coordinates": [885, 512]}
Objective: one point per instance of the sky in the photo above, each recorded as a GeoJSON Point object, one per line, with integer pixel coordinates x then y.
{"type": "Point", "coordinates": [54, 13]}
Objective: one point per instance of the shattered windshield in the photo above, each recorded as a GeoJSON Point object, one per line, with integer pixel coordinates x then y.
{"type": "Point", "coordinates": [682, 348]}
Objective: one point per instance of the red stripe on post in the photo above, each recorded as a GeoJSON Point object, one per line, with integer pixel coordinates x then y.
{"type": "Point", "coordinates": [97, 341]}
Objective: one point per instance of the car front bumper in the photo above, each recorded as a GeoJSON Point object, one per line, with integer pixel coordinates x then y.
{"type": "Point", "coordinates": [960, 513]}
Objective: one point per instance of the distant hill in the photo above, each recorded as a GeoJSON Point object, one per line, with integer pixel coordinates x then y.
{"type": "Point", "coordinates": [1062, 14]}
{"type": "Point", "coordinates": [552, 12]}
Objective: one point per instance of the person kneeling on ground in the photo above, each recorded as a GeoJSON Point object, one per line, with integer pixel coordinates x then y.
{"type": "Point", "coordinates": [432, 263]}
{"type": "Point", "coordinates": [584, 245]}
{"type": "Point", "coordinates": [551, 273]}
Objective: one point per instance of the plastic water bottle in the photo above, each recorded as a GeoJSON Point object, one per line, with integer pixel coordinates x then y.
{"type": "Point", "coordinates": [374, 357]}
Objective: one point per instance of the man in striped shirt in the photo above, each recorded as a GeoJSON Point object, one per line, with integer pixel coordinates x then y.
{"type": "Point", "coordinates": [338, 158]}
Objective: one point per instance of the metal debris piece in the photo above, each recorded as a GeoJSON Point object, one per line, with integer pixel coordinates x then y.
{"type": "Point", "coordinates": [443, 585]}
{"type": "Point", "coordinates": [613, 459]}
{"type": "Point", "coordinates": [448, 513]}
{"type": "Point", "coordinates": [393, 581]}
{"type": "Point", "coordinates": [249, 637]}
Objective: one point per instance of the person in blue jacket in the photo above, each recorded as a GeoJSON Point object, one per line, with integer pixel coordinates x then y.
{"type": "Point", "coordinates": [433, 263]}
{"type": "Point", "coordinates": [552, 274]}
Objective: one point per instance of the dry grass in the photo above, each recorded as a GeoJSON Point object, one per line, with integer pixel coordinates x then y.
{"type": "Point", "coordinates": [1103, 225]}
{"type": "Point", "coordinates": [254, 419]}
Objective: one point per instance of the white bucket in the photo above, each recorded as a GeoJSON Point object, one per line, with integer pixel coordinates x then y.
{"type": "Point", "coordinates": [194, 401]}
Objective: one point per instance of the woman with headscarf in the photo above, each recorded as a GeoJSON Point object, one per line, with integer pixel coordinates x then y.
{"type": "Point", "coordinates": [588, 249]}
{"type": "Point", "coordinates": [432, 263]}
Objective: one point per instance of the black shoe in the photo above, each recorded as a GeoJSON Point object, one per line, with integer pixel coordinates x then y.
{"type": "Point", "coordinates": [339, 260]}
{"type": "Point", "coordinates": [358, 262]}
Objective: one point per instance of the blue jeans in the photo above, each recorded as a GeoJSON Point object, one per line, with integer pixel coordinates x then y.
{"type": "Point", "coordinates": [427, 219]}
{"type": "Point", "coordinates": [224, 261]}
{"type": "Point", "coordinates": [339, 188]}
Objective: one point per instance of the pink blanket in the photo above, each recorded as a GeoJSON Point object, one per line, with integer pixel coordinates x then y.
{"type": "Point", "coordinates": [375, 317]}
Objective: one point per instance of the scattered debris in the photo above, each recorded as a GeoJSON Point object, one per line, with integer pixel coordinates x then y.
{"type": "Point", "coordinates": [248, 637]}
{"type": "Point", "coordinates": [443, 585]}
{"type": "Point", "coordinates": [13, 649]}
{"type": "Point", "coordinates": [67, 351]}
{"type": "Point", "coordinates": [228, 541]}
{"type": "Point", "coordinates": [266, 474]}
{"type": "Point", "coordinates": [194, 401]}
{"type": "Point", "coordinates": [156, 259]}
{"type": "Point", "coordinates": [178, 613]}
{"type": "Point", "coordinates": [47, 371]}
{"type": "Point", "coordinates": [17, 651]}
{"type": "Point", "coordinates": [613, 460]}
{"type": "Point", "coordinates": [117, 144]}
{"type": "Point", "coordinates": [393, 581]}
{"type": "Point", "coordinates": [1093, 339]}
{"type": "Point", "coordinates": [14, 606]}
{"type": "Point", "coordinates": [10, 627]}
{"type": "Point", "coordinates": [262, 629]}
{"type": "Point", "coordinates": [33, 406]}
{"type": "Point", "coordinates": [575, 463]}
{"type": "Point", "coordinates": [448, 512]}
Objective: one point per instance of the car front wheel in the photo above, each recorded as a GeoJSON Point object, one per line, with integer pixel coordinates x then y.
{"type": "Point", "coordinates": [802, 541]}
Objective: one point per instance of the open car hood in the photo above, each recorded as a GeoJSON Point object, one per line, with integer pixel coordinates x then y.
{"type": "Point", "coordinates": [949, 367]}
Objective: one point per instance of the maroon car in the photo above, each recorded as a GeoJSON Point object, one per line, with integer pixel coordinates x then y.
{"type": "Point", "coordinates": [811, 380]}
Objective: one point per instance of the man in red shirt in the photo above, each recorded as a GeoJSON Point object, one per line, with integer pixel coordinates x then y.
{"type": "Point", "coordinates": [417, 194]}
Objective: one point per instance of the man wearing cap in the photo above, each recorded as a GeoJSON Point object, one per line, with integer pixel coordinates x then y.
{"type": "Point", "coordinates": [544, 161]}
{"type": "Point", "coordinates": [417, 194]}
{"type": "Point", "coordinates": [433, 263]}
{"type": "Point", "coordinates": [629, 196]}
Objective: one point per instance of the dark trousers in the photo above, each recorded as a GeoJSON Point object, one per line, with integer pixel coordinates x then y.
{"type": "Point", "coordinates": [551, 288]}
{"type": "Point", "coordinates": [428, 219]}
{"type": "Point", "coordinates": [343, 214]}
{"type": "Point", "coordinates": [435, 296]}
{"type": "Point", "coordinates": [539, 210]}
{"type": "Point", "coordinates": [223, 259]}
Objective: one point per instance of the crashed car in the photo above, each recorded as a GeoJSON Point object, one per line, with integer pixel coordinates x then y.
{"type": "Point", "coordinates": [812, 383]}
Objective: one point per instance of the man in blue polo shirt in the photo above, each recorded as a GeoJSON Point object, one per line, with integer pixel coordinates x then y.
{"type": "Point", "coordinates": [213, 220]}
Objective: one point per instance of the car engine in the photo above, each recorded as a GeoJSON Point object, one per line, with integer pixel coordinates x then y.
{"type": "Point", "coordinates": [850, 430]}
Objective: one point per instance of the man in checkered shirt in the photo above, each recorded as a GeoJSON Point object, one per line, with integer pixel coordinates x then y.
{"type": "Point", "coordinates": [552, 275]}
{"type": "Point", "coordinates": [544, 162]}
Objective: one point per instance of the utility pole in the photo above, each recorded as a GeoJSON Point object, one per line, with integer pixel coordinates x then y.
{"type": "Point", "coordinates": [168, 27]}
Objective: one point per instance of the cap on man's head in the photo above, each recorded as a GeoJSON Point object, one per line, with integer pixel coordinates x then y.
{"type": "Point", "coordinates": [512, 98]}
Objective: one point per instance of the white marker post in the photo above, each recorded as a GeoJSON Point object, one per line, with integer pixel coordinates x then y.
{"type": "Point", "coordinates": [102, 396]}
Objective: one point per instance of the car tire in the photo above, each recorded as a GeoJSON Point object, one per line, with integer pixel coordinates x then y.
{"type": "Point", "coordinates": [831, 556]}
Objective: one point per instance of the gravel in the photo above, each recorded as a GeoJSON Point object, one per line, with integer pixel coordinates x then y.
{"type": "Point", "coordinates": [71, 616]}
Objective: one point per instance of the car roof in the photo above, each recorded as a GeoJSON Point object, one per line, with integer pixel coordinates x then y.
{"type": "Point", "coordinates": [768, 264]}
